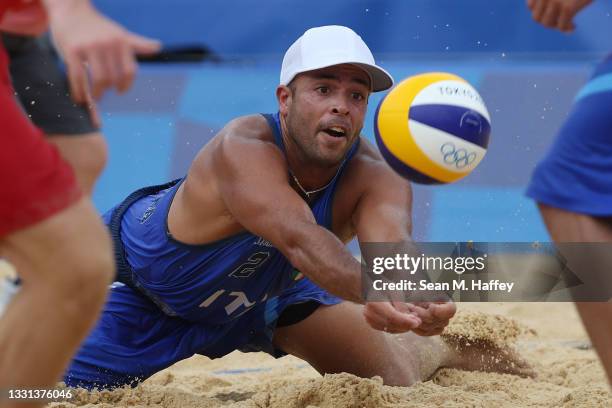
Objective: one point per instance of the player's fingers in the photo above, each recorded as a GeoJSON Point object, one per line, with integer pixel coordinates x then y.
{"type": "Point", "coordinates": [142, 45]}
{"type": "Point", "coordinates": [402, 323]}
{"type": "Point", "coordinates": [402, 320]}
{"type": "Point", "coordinates": [383, 316]}
{"type": "Point", "coordinates": [430, 314]}
{"type": "Point", "coordinates": [431, 329]}
{"type": "Point", "coordinates": [127, 67]}
{"type": "Point", "coordinates": [435, 317]}
{"type": "Point", "coordinates": [375, 320]}
{"type": "Point", "coordinates": [402, 306]}
{"type": "Point", "coordinates": [538, 10]}
{"type": "Point", "coordinates": [77, 77]}
{"type": "Point", "coordinates": [424, 314]}
{"type": "Point", "coordinates": [551, 15]}
{"type": "Point", "coordinates": [113, 65]}
{"type": "Point", "coordinates": [565, 22]}
{"type": "Point", "coordinates": [429, 332]}
{"type": "Point", "coordinates": [100, 74]}
{"type": "Point", "coordinates": [531, 4]}
{"type": "Point", "coordinates": [443, 311]}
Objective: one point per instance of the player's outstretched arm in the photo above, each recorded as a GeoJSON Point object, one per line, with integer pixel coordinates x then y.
{"type": "Point", "coordinates": [384, 214]}
{"type": "Point", "coordinates": [557, 14]}
{"type": "Point", "coordinates": [88, 41]}
{"type": "Point", "coordinates": [252, 179]}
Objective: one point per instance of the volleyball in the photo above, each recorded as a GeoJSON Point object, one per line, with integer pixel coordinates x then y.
{"type": "Point", "coordinates": [433, 128]}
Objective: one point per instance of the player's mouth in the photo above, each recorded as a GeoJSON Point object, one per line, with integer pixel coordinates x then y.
{"type": "Point", "coordinates": [336, 131]}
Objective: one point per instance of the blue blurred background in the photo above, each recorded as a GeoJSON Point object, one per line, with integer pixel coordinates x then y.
{"type": "Point", "coordinates": [527, 75]}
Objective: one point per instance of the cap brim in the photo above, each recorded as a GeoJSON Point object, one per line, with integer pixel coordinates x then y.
{"type": "Point", "coordinates": [381, 79]}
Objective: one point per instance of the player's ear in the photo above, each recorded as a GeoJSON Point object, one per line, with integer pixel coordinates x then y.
{"type": "Point", "coordinates": [284, 96]}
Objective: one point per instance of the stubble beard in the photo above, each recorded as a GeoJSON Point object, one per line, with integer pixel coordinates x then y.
{"type": "Point", "coordinates": [308, 147]}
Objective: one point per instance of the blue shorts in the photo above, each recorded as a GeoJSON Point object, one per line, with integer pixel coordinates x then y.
{"type": "Point", "coordinates": [134, 338]}
{"type": "Point", "coordinates": [576, 175]}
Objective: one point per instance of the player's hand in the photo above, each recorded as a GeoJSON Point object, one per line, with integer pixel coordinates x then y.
{"type": "Point", "coordinates": [557, 14]}
{"type": "Point", "coordinates": [391, 317]}
{"type": "Point", "coordinates": [434, 317]}
{"type": "Point", "coordinates": [425, 319]}
{"type": "Point", "coordinates": [88, 41]}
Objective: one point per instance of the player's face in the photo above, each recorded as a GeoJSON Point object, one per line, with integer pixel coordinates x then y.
{"type": "Point", "coordinates": [325, 110]}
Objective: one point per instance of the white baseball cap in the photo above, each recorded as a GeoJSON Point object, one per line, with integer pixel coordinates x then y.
{"type": "Point", "coordinates": [322, 47]}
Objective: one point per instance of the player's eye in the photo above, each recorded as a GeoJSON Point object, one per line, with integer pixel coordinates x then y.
{"type": "Point", "coordinates": [323, 90]}
{"type": "Point", "coordinates": [358, 96]}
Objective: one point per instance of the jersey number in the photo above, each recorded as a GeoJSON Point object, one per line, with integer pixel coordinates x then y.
{"type": "Point", "coordinates": [250, 266]}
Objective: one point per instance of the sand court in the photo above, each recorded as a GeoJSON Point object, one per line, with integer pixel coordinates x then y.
{"type": "Point", "coordinates": [548, 335]}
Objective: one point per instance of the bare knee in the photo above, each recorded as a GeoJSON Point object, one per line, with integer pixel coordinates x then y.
{"type": "Point", "coordinates": [89, 269]}
{"type": "Point", "coordinates": [87, 154]}
{"type": "Point", "coordinates": [66, 260]}
{"type": "Point", "coordinates": [86, 278]}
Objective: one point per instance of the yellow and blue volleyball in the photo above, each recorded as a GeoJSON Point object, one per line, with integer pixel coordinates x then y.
{"type": "Point", "coordinates": [433, 128]}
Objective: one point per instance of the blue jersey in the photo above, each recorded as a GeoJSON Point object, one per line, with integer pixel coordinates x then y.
{"type": "Point", "coordinates": [212, 283]}
{"type": "Point", "coordinates": [183, 299]}
{"type": "Point", "coordinates": [576, 174]}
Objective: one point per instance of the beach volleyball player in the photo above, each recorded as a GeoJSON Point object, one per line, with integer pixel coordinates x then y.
{"type": "Point", "coordinates": [47, 228]}
{"type": "Point", "coordinates": [573, 183]}
{"type": "Point", "coordinates": [247, 251]}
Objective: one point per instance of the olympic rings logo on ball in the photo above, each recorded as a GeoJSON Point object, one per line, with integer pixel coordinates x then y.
{"type": "Point", "coordinates": [459, 157]}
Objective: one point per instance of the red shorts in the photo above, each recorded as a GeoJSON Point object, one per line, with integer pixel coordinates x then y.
{"type": "Point", "coordinates": [35, 182]}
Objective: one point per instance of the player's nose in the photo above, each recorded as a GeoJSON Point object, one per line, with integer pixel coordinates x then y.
{"type": "Point", "coordinates": [340, 106]}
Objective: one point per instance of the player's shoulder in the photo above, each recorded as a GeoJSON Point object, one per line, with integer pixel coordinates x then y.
{"type": "Point", "coordinates": [245, 139]}
{"type": "Point", "coordinates": [250, 135]}
{"type": "Point", "coordinates": [249, 128]}
{"type": "Point", "coordinates": [244, 143]}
